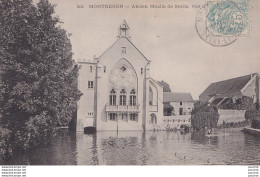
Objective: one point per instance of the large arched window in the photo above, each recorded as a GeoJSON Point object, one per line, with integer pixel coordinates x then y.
{"type": "Point", "coordinates": [123, 97]}
{"type": "Point", "coordinates": [132, 98]}
{"type": "Point", "coordinates": [112, 97]}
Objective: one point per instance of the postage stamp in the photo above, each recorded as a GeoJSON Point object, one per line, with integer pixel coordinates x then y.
{"type": "Point", "coordinates": [220, 23]}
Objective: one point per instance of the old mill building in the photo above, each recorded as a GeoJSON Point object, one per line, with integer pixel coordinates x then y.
{"type": "Point", "coordinates": [118, 92]}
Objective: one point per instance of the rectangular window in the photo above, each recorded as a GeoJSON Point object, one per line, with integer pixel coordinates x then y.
{"type": "Point", "coordinates": [180, 103]}
{"type": "Point", "coordinates": [123, 50]}
{"type": "Point", "coordinates": [90, 84]}
{"type": "Point", "coordinates": [142, 70]}
{"type": "Point", "coordinates": [112, 116]}
{"type": "Point", "coordinates": [181, 111]}
{"type": "Point", "coordinates": [105, 68]}
{"type": "Point", "coordinates": [91, 69]}
{"type": "Point", "coordinates": [133, 117]}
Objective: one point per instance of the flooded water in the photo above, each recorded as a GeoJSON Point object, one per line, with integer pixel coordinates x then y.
{"type": "Point", "coordinates": [231, 147]}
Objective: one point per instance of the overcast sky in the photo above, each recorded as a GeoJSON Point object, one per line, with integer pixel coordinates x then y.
{"type": "Point", "coordinates": [167, 37]}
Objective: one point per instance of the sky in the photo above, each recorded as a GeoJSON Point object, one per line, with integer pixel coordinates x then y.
{"type": "Point", "coordinates": [167, 37]}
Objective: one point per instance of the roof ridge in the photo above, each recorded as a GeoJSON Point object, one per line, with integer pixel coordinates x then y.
{"type": "Point", "coordinates": [233, 78]}
{"type": "Point", "coordinates": [138, 49]}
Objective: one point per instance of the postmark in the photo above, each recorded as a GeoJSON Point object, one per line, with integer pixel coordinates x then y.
{"type": "Point", "coordinates": [221, 23]}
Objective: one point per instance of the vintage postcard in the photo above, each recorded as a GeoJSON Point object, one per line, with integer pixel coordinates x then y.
{"type": "Point", "coordinates": [129, 82]}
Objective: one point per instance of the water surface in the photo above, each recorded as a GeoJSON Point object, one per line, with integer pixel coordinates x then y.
{"type": "Point", "coordinates": [231, 147]}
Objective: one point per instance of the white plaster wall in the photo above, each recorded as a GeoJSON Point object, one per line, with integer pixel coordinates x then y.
{"type": "Point", "coordinates": [231, 116]}
{"type": "Point", "coordinates": [250, 91]}
{"type": "Point", "coordinates": [109, 59]}
{"type": "Point", "coordinates": [85, 111]}
{"type": "Point", "coordinates": [185, 106]}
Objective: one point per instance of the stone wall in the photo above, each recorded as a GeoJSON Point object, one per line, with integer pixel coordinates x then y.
{"type": "Point", "coordinates": [231, 116]}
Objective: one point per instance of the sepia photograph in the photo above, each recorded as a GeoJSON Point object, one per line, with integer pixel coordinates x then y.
{"type": "Point", "coordinates": [129, 83]}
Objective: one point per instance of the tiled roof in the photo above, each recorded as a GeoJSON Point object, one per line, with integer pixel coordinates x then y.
{"type": "Point", "coordinates": [177, 97]}
{"type": "Point", "coordinates": [227, 86]}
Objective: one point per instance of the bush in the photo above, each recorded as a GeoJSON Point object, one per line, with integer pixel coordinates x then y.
{"type": "Point", "coordinates": [203, 116]}
{"type": "Point", "coordinates": [245, 103]}
{"type": "Point", "coordinates": [4, 138]}
{"type": "Point", "coordinates": [201, 120]}
{"type": "Point", "coordinates": [251, 114]}
{"type": "Point", "coordinates": [38, 76]}
{"type": "Point", "coordinates": [256, 123]}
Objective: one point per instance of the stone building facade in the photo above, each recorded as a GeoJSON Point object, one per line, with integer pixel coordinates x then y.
{"type": "Point", "coordinates": [118, 92]}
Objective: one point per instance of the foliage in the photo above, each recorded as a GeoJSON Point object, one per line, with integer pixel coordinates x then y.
{"type": "Point", "coordinates": [5, 135]}
{"type": "Point", "coordinates": [204, 116]}
{"type": "Point", "coordinates": [256, 123]}
{"type": "Point", "coordinates": [38, 74]}
{"type": "Point", "coordinates": [203, 107]}
{"type": "Point", "coordinates": [167, 109]}
{"type": "Point", "coordinates": [166, 86]}
{"type": "Point", "coordinates": [251, 114]}
{"type": "Point", "coordinates": [202, 120]}
{"type": "Point", "coordinates": [246, 103]}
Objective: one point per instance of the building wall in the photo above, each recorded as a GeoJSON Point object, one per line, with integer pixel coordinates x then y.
{"type": "Point", "coordinates": [155, 105]}
{"type": "Point", "coordinates": [229, 116]}
{"type": "Point", "coordinates": [109, 60]}
{"type": "Point", "coordinates": [94, 106]}
{"type": "Point", "coordinates": [251, 90]}
{"type": "Point", "coordinates": [85, 111]}
{"type": "Point", "coordinates": [187, 107]}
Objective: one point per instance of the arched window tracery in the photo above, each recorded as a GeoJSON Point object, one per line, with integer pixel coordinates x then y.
{"type": "Point", "coordinates": [123, 97]}
{"type": "Point", "coordinates": [132, 97]}
{"type": "Point", "coordinates": [112, 97]}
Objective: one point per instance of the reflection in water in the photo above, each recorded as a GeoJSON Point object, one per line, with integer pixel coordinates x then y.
{"type": "Point", "coordinates": [145, 148]}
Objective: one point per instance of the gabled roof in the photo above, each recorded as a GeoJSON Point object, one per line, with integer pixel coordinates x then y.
{"type": "Point", "coordinates": [130, 43]}
{"type": "Point", "coordinates": [177, 97]}
{"type": "Point", "coordinates": [227, 86]}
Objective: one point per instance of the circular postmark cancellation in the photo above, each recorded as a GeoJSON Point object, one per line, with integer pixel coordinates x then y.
{"type": "Point", "coordinates": [221, 23]}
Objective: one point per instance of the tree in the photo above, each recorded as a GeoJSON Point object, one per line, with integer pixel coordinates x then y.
{"type": "Point", "coordinates": [39, 76]}
{"type": "Point", "coordinates": [204, 115]}
{"type": "Point", "coordinates": [166, 86]}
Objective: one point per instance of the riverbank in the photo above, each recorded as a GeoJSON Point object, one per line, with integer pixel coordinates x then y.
{"type": "Point", "coordinates": [252, 131]}
{"type": "Point", "coordinates": [234, 125]}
